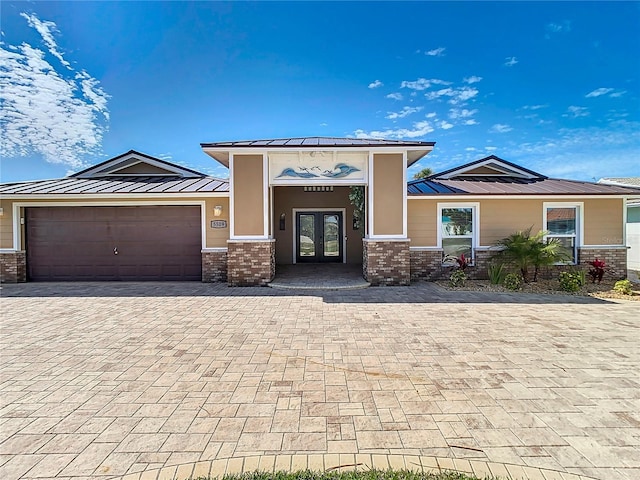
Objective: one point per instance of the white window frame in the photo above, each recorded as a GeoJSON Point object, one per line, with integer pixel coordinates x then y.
{"type": "Point", "coordinates": [475, 225]}
{"type": "Point", "coordinates": [579, 230]}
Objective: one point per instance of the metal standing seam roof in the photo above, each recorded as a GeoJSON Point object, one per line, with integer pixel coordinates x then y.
{"type": "Point", "coordinates": [117, 185]}
{"type": "Point", "coordinates": [301, 142]}
{"type": "Point", "coordinates": [513, 186]}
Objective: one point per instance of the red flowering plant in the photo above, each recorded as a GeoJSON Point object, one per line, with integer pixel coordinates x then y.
{"type": "Point", "coordinates": [596, 272]}
{"type": "Point", "coordinates": [462, 261]}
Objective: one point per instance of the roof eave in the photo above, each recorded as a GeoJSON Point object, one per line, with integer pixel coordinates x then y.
{"type": "Point", "coordinates": [222, 154]}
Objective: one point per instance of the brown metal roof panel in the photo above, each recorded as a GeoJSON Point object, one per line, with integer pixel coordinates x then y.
{"type": "Point", "coordinates": [32, 187]}
{"type": "Point", "coordinates": [195, 187]}
{"type": "Point", "coordinates": [81, 186]}
{"type": "Point", "coordinates": [163, 186]}
{"type": "Point", "coordinates": [215, 185]}
{"type": "Point", "coordinates": [179, 187]}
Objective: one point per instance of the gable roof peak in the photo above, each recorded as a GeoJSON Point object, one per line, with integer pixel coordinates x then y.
{"type": "Point", "coordinates": [489, 166]}
{"type": "Point", "coordinates": [136, 163]}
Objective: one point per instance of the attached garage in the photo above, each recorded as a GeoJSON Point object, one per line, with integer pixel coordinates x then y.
{"type": "Point", "coordinates": [126, 243]}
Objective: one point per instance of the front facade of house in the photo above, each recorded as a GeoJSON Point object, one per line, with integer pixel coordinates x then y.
{"type": "Point", "coordinates": [287, 201]}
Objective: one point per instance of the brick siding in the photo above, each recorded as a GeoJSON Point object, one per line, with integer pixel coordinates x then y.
{"type": "Point", "coordinates": [614, 258]}
{"type": "Point", "coordinates": [13, 267]}
{"type": "Point", "coordinates": [214, 266]}
{"type": "Point", "coordinates": [386, 262]}
{"type": "Point", "coordinates": [250, 263]}
{"type": "Point", "coordinates": [426, 264]}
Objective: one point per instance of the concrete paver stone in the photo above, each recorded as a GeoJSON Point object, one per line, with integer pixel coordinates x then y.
{"type": "Point", "coordinates": [168, 380]}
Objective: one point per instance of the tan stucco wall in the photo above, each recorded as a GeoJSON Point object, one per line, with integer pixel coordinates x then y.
{"type": "Point", "coordinates": [6, 224]}
{"type": "Point", "coordinates": [248, 195]}
{"type": "Point", "coordinates": [603, 222]}
{"type": "Point", "coordinates": [215, 238]}
{"type": "Point", "coordinates": [288, 198]}
{"type": "Point", "coordinates": [422, 223]}
{"type": "Point", "coordinates": [501, 217]}
{"type": "Point", "coordinates": [388, 189]}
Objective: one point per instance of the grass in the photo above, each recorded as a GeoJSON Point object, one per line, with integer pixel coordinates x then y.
{"type": "Point", "coordinates": [352, 475]}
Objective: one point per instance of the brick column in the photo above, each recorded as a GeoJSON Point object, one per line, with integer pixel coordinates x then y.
{"type": "Point", "coordinates": [250, 263]}
{"type": "Point", "coordinates": [13, 267]}
{"type": "Point", "coordinates": [386, 262]}
{"type": "Point", "coordinates": [214, 266]}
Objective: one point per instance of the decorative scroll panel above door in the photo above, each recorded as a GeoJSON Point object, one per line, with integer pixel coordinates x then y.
{"type": "Point", "coordinates": [326, 168]}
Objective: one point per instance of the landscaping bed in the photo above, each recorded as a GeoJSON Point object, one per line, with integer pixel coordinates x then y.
{"type": "Point", "coordinates": [352, 475]}
{"type": "Point", "coordinates": [548, 287]}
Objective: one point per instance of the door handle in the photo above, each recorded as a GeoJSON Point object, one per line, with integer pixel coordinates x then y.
{"type": "Point", "coordinates": [115, 251]}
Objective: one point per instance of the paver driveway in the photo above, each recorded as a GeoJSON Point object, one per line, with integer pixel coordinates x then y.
{"type": "Point", "coordinates": [101, 380]}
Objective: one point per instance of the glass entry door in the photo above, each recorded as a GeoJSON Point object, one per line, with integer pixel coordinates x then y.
{"type": "Point", "coordinates": [319, 237]}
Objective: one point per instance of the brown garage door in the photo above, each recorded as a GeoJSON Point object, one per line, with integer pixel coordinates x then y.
{"type": "Point", "coordinates": [113, 243]}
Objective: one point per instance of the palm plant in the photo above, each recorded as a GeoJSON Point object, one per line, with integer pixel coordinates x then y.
{"type": "Point", "coordinates": [525, 251]}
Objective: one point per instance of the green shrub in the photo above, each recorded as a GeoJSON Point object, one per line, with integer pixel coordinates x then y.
{"type": "Point", "coordinates": [623, 287]}
{"type": "Point", "coordinates": [496, 272]}
{"type": "Point", "coordinates": [525, 250]}
{"type": "Point", "coordinates": [571, 281]}
{"type": "Point", "coordinates": [513, 281]}
{"type": "Point", "coordinates": [457, 278]}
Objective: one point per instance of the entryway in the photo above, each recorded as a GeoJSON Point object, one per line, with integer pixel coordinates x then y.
{"type": "Point", "coordinates": [319, 276]}
{"type": "Point", "coordinates": [319, 237]}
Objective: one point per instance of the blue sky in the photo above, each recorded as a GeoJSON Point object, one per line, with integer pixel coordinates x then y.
{"type": "Point", "coordinates": [554, 87]}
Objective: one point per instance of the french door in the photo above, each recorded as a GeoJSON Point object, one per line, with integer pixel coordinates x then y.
{"type": "Point", "coordinates": [319, 237]}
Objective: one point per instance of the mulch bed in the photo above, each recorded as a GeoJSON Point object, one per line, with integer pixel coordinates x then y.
{"type": "Point", "coordinates": [549, 287]}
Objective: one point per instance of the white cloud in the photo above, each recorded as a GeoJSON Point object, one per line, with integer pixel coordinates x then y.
{"type": "Point", "coordinates": [445, 125]}
{"type": "Point", "coordinates": [598, 92]}
{"type": "Point", "coordinates": [59, 114]}
{"type": "Point", "coordinates": [376, 84]}
{"type": "Point", "coordinates": [470, 149]}
{"type": "Point", "coordinates": [534, 107]}
{"type": "Point", "coordinates": [510, 61]}
{"type": "Point", "coordinates": [456, 113]}
{"type": "Point", "coordinates": [324, 124]}
{"type": "Point", "coordinates": [395, 96]}
{"type": "Point", "coordinates": [618, 94]}
{"type": "Point", "coordinates": [470, 122]}
{"type": "Point", "coordinates": [575, 112]}
{"type": "Point", "coordinates": [422, 83]}
{"type": "Point", "coordinates": [569, 153]}
{"type": "Point", "coordinates": [472, 79]}
{"type": "Point", "coordinates": [420, 129]}
{"type": "Point", "coordinates": [403, 113]}
{"type": "Point", "coordinates": [436, 52]}
{"type": "Point", "coordinates": [431, 115]}
{"type": "Point", "coordinates": [46, 31]}
{"type": "Point", "coordinates": [490, 149]}
{"type": "Point", "coordinates": [456, 95]}
{"type": "Point", "coordinates": [563, 27]}
{"type": "Point", "coordinates": [500, 128]}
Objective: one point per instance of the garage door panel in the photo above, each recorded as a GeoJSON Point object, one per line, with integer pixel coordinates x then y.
{"type": "Point", "coordinates": [77, 243]}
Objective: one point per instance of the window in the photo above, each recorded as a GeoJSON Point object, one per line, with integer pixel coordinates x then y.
{"type": "Point", "coordinates": [561, 223]}
{"type": "Point", "coordinates": [458, 231]}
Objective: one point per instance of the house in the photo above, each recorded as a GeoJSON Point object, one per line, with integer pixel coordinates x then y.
{"type": "Point", "coordinates": [633, 220]}
{"type": "Point", "coordinates": [287, 201]}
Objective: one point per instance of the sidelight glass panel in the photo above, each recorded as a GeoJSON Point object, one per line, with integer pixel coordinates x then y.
{"type": "Point", "coordinates": [331, 237]}
{"type": "Point", "coordinates": [307, 235]}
